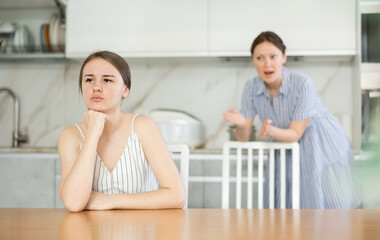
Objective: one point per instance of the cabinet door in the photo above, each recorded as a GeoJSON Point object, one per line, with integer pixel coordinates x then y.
{"type": "Point", "coordinates": [136, 27]}
{"type": "Point", "coordinates": [27, 180]}
{"type": "Point", "coordinates": [307, 27]}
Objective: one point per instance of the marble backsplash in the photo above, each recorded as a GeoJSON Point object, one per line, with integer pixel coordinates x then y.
{"type": "Point", "coordinates": [50, 99]}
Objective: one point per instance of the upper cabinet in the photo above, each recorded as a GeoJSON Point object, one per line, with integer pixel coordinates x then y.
{"type": "Point", "coordinates": [307, 27]}
{"type": "Point", "coordinates": [28, 3]}
{"type": "Point", "coordinates": [148, 28]}
{"type": "Point", "coordinates": [141, 28]}
{"type": "Point", "coordinates": [32, 29]}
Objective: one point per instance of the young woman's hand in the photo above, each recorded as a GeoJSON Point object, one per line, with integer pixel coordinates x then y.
{"type": "Point", "coordinates": [95, 201]}
{"type": "Point", "coordinates": [94, 122]}
{"type": "Point", "coordinates": [234, 117]}
{"type": "Point", "coordinates": [265, 128]}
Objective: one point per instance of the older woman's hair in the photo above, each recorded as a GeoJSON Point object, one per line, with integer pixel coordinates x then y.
{"type": "Point", "coordinates": [271, 37]}
{"type": "Point", "coordinates": [118, 62]}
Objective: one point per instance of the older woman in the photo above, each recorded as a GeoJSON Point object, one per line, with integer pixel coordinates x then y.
{"type": "Point", "coordinates": [291, 111]}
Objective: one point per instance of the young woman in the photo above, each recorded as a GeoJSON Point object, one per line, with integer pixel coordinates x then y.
{"type": "Point", "coordinates": [291, 111]}
{"type": "Point", "coordinates": [114, 159]}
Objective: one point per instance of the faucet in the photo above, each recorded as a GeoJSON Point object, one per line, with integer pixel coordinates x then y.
{"type": "Point", "coordinates": [16, 137]}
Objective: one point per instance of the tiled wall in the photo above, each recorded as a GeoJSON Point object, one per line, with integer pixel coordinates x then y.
{"type": "Point", "coordinates": [50, 100]}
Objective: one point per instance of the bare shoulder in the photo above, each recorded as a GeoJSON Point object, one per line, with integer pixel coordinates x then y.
{"type": "Point", "coordinates": [143, 123]}
{"type": "Point", "coordinates": [146, 129]}
{"type": "Point", "coordinates": [70, 132]}
{"type": "Point", "coordinates": [69, 137]}
{"type": "Point", "coordinates": [151, 139]}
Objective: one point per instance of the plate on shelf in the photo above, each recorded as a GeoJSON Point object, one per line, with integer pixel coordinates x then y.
{"type": "Point", "coordinates": [56, 33]}
{"type": "Point", "coordinates": [47, 38]}
{"type": "Point", "coordinates": [53, 32]}
{"type": "Point", "coordinates": [61, 38]}
{"type": "Point", "coordinates": [44, 38]}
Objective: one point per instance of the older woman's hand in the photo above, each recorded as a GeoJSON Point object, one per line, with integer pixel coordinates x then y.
{"type": "Point", "coordinates": [234, 117]}
{"type": "Point", "coordinates": [265, 127]}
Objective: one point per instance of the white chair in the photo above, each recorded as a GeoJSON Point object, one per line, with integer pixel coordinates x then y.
{"type": "Point", "coordinates": [183, 151]}
{"type": "Point", "coordinates": [259, 147]}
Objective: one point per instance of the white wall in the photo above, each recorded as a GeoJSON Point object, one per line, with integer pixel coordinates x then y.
{"type": "Point", "coordinates": [50, 100]}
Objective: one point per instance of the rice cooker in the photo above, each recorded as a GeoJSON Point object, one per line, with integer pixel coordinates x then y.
{"type": "Point", "coordinates": [179, 127]}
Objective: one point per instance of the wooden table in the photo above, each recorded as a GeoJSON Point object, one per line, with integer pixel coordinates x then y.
{"type": "Point", "coordinates": [189, 224]}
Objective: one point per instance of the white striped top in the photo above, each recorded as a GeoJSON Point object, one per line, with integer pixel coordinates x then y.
{"type": "Point", "coordinates": [326, 157]}
{"type": "Point", "coordinates": [132, 173]}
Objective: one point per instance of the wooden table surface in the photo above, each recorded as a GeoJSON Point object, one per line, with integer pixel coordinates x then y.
{"type": "Point", "coordinates": [27, 223]}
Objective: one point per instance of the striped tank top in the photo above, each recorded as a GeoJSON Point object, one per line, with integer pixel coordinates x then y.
{"type": "Point", "coordinates": [132, 173]}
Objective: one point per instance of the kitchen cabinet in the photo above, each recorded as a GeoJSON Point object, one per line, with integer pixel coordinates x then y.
{"type": "Point", "coordinates": [28, 180]}
{"type": "Point", "coordinates": [209, 27]}
{"type": "Point", "coordinates": [311, 27]}
{"type": "Point", "coordinates": [27, 18]}
{"type": "Point", "coordinates": [137, 28]}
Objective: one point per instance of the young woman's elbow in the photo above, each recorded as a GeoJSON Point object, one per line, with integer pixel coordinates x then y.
{"type": "Point", "coordinates": [74, 208]}
{"type": "Point", "coordinates": [180, 200]}
{"type": "Point", "coordinates": [180, 203]}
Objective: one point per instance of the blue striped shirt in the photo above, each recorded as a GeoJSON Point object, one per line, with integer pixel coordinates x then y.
{"type": "Point", "coordinates": [326, 158]}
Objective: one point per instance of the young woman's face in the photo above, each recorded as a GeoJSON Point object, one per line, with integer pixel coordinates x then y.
{"type": "Point", "coordinates": [268, 60]}
{"type": "Point", "coordinates": [102, 86]}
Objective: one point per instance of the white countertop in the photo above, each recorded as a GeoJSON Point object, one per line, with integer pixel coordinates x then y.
{"type": "Point", "coordinates": [55, 150]}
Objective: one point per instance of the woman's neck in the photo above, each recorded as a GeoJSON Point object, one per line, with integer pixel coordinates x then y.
{"type": "Point", "coordinates": [274, 87]}
{"type": "Point", "coordinates": [112, 123]}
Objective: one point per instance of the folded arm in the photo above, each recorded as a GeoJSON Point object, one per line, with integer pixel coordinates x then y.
{"type": "Point", "coordinates": [293, 133]}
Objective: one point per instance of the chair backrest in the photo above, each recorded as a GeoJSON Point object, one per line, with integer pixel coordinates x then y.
{"type": "Point", "coordinates": [250, 148]}
{"type": "Point", "coordinates": [183, 151]}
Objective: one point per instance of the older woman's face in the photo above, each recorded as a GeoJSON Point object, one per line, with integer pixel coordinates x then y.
{"type": "Point", "coordinates": [268, 60]}
{"type": "Point", "coordinates": [102, 86]}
